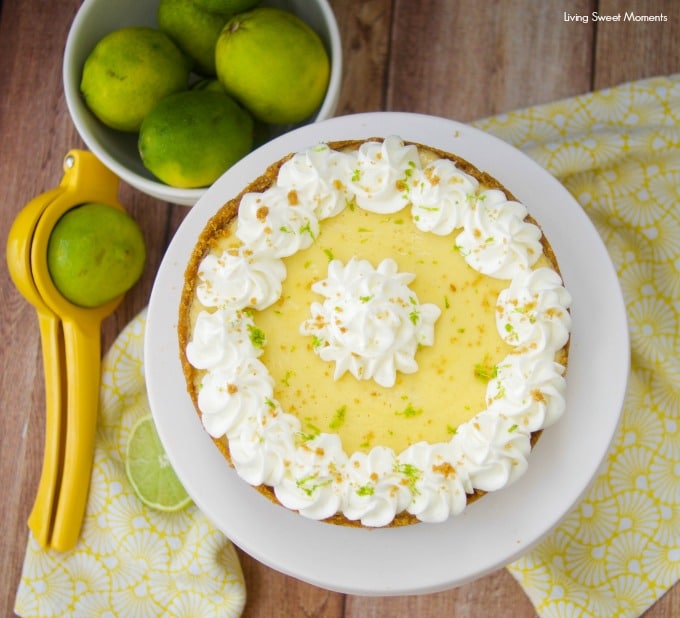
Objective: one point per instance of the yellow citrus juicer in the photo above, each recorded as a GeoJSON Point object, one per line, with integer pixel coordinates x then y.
{"type": "Point", "coordinates": [71, 346]}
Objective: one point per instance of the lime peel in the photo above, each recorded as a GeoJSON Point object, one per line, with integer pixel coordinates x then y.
{"type": "Point", "coordinates": [191, 138]}
{"type": "Point", "coordinates": [128, 72]}
{"type": "Point", "coordinates": [274, 64]}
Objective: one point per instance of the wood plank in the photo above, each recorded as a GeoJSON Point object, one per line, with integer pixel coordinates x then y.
{"type": "Point", "coordinates": [32, 151]}
{"type": "Point", "coordinates": [469, 59]}
{"type": "Point", "coordinates": [630, 50]}
{"type": "Point", "coordinates": [496, 594]}
{"type": "Point", "coordinates": [365, 30]}
{"type": "Point", "coordinates": [271, 593]}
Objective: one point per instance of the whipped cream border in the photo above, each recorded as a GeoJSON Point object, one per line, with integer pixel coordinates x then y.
{"type": "Point", "coordinates": [313, 474]}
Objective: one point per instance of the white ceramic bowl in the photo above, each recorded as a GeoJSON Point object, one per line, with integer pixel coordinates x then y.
{"type": "Point", "coordinates": [118, 150]}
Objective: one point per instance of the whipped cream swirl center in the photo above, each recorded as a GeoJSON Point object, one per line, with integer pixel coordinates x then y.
{"type": "Point", "coordinates": [370, 323]}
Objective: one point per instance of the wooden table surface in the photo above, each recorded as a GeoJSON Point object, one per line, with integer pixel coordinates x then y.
{"type": "Point", "coordinates": [461, 59]}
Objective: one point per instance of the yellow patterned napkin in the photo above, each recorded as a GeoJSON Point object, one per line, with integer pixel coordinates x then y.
{"type": "Point", "coordinates": [131, 561]}
{"type": "Point", "coordinates": [618, 152]}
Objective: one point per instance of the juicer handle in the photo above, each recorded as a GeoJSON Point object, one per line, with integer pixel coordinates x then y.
{"type": "Point", "coordinates": [82, 348]}
{"type": "Point", "coordinates": [41, 517]}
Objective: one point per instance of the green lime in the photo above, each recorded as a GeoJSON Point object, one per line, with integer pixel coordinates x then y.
{"type": "Point", "coordinates": [128, 72]}
{"type": "Point", "coordinates": [193, 29]}
{"type": "Point", "coordinates": [262, 132]}
{"type": "Point", "coordinates": [95, 253]}
{"type": "Point", "coordinates": [189, 139]}
{"type": "Point", "coordinates": [226, 7]}
{"type": "Point", "coordinates": [274, 64]}
{"type": "Point", "coordinates": [149, 470]}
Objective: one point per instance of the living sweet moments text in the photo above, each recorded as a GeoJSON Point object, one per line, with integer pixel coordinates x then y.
{"type": "Point", "coordinates": [629, 16]}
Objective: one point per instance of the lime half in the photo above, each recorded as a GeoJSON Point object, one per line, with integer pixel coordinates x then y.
{"type": "Point", "coordinates": [149, 470]}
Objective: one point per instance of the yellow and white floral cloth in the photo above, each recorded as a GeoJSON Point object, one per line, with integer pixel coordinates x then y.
{"type": "Point", "coordinates": [615, 554]}
{"type": "Point", "coordinates": [131, 561]}
{"type": "Point", "coordinates": [618, 152]}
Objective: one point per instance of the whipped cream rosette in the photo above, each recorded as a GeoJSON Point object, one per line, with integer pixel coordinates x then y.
{"type": "Point", "coordinates": [370, 322]}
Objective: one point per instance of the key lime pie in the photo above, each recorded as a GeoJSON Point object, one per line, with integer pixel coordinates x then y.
{"type": "Point", "coordinates": [375, 333]}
